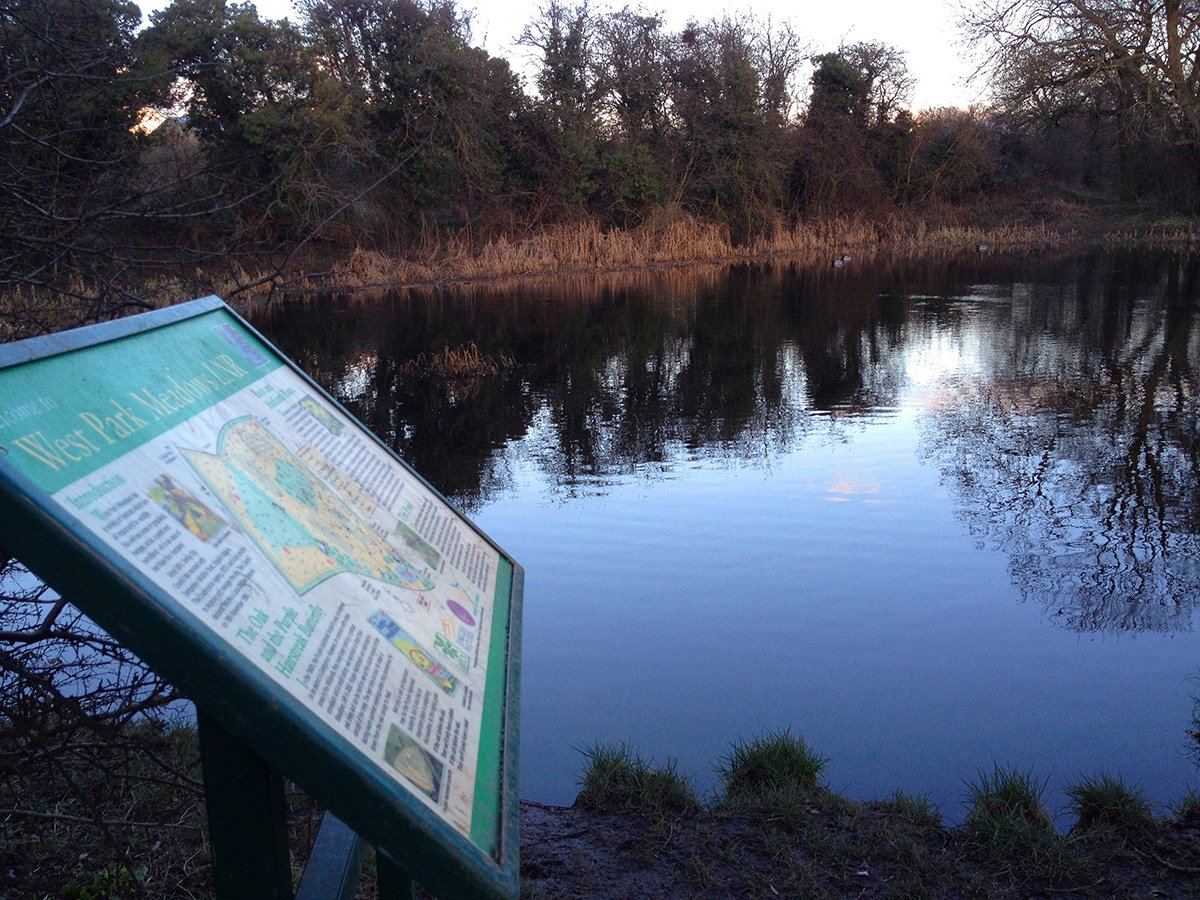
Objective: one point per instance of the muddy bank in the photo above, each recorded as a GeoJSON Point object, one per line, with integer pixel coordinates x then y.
{"type": "Point", "coordinates": [833, 847]}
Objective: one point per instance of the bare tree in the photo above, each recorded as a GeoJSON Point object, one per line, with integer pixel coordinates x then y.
{"type": "Point", "coordinates": [731, 90]}
{"type": "Point", "coordinates": [780, 52]}
{"type": "Point", "coordinates": [66, 142]}
{"type": "Point", "coordinates": [1136, 60]}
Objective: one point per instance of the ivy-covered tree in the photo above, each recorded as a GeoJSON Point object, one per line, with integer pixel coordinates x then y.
{"type": "Point", "coordinates": [247, 89]}
{"type": "Point", "coordinates": [630, 65]}
{"type": "Point", "coordinates": [839, 87]}
{"type": "Point", "coordinates": [730, 109]}
{"type": "Point", "coordinates": [835, 170]}
{"type": "Point", "coordinates": [884, 70]}
{"type": "Point", "coordinates": [440, 113]}
{"type": "Point", "coordinates": [563, 40]}
{"type": "Point", "coordinates": [70, 100]}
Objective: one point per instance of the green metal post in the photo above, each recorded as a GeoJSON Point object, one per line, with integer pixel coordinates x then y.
{"type": "Point", "coordinates": [247, 818]}
{"type": "Point", "coordinates": [334, 863]}
{"type": "Point", "coordinates": [394, 882]}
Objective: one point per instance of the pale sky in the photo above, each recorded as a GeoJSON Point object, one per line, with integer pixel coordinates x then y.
{"type": "Point", "coordinates": [922, 28]}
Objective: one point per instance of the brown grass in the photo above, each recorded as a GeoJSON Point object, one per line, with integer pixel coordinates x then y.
{"type": "Point", "coordinates": [666, 240]}
{"type": "Point", "coordinates": [554, 250]}
{"type": "Point", "coordinates": [27, 311]}
{"type": "Point", "coordinates": [670, 240]}
{"type": "Point", "coordinates": [1164, 234]}
{"type": "Point", "coordinates": [460, 362]}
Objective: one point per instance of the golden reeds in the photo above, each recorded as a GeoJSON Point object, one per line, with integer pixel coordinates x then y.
{"type": "Point", "coordinates": [1162, 235]}
{"type": "Point", "coordinates": [669, 240]}
{"type": "Point", "coordinates": [558, 249]}
{"type": "Point", "coordinates": [460, 362]}
{"type": "Point", "coordinates": [28, 311]}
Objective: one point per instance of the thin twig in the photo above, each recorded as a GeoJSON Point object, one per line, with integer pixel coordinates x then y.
{"type": "Point", "coordinates": [107, 823]}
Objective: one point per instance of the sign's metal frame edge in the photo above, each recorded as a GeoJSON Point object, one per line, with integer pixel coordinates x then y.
{"type": "Point", "coordinates": [229, 686]}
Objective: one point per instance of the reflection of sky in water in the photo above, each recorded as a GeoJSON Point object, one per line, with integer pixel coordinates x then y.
{"type": "Point", "coordinates": [357, 377]}
{"type": "Point", "coordinates": [943, 353]}
{"type": "Point", "coordinates": [827, 584]}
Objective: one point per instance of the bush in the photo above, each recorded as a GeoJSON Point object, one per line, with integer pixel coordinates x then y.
{"type": "Point", "coordinates": [1187, 811]}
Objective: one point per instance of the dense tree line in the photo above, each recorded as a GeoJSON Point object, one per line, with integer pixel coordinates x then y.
{"type": "Point", "coordinates": [378, 121]}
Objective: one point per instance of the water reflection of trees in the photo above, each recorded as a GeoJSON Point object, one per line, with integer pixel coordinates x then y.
{"type": "Point", "coordinates": [1073, 449]}
{"type": "Point", "coordinates": [1082, 460]}
{"type": "Point", "coordinates": [627, 374]}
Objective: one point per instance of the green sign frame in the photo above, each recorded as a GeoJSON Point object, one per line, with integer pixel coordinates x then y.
{"type": "Point", "coordinates": [194, 389]}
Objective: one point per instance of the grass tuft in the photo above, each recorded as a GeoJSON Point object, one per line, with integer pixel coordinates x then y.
{"type": "Point", "coordinates": [460, 362]}
{"type": "Point", "coordinates": [619, 780]}
{"type": "Point", "coordinates": [774, 762]}
{"type": "Point", "coordinates": [1187, 810]}
{"type": "Point", "coordinates": [1007, 829]}
{"type": "Point", "coordinates": [915, 811]}
{"type": "Point", "coordinates": [1109, 802]}
{"type": "Point", "coordinates": [1008, 793]}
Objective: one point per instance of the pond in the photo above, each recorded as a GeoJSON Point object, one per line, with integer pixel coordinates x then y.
{"type": "Point", "coordinates": [932, 514]}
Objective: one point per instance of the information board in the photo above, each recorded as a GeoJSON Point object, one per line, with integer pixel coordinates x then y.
{"type": "Point", "coordinates": [274, 532]}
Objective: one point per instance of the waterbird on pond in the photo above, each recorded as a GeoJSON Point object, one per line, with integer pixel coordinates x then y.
{"type": "Point", "coordinates": [982, 248]}
{"type": "Point", "coordinates": [838, 262]}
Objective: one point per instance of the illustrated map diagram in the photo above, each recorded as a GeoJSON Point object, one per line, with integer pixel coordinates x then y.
{"type": "Point", "coordinates": [307, 531]}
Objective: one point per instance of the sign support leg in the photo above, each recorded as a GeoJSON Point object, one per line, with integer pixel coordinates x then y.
{"type": "Point", "coordinates": [247, 818]}
{"type": "Point", "coordinates": [334, 863]}
{"type": "Point", "coordinates": [394, 881]}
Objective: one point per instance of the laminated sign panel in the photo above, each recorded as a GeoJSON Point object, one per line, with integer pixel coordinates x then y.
{"type": "Point", "coordinates": [202, 499]}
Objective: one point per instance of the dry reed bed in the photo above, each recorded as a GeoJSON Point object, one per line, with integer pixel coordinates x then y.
{"type": "Point", "coordinates": [1167, 235]}
{"type": "Point", "coordinates": [667, 243]}
{"type": "Point", "coordinates": [557, 249]}
{"type": "Point", "coordinates": [587, 247]}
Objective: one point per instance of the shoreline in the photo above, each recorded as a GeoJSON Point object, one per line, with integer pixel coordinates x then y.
{"type": "Point", "coordinates": [670, 242]}
{"type": "Point", "coordinates": [829, 847]}
{"type": "Point", "coordinates": [634, 830]}
{"type": "Point", "coordinates": [774, 830]}
{"type": "Point", "coordinates": [587, 250]}
{"type": "Point", "coordinates": [674, 242]}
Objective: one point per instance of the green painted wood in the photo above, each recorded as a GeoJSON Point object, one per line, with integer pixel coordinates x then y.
{"type": "Point", "coordinates": [247, 817]}
{"type": "Point", "coordinates": [274, 724]}
{"type": "Point", "coordinates": [334, 864]}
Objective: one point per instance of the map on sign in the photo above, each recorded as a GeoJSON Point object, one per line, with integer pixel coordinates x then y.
{"type": "Point", "coordinates": [306, 529]}
{"type": "Point", "coordinates": [204, 462]}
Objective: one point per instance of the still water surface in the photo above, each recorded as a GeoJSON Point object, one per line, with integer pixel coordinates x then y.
{"type": "Point", "coordinates": [932, 515]}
